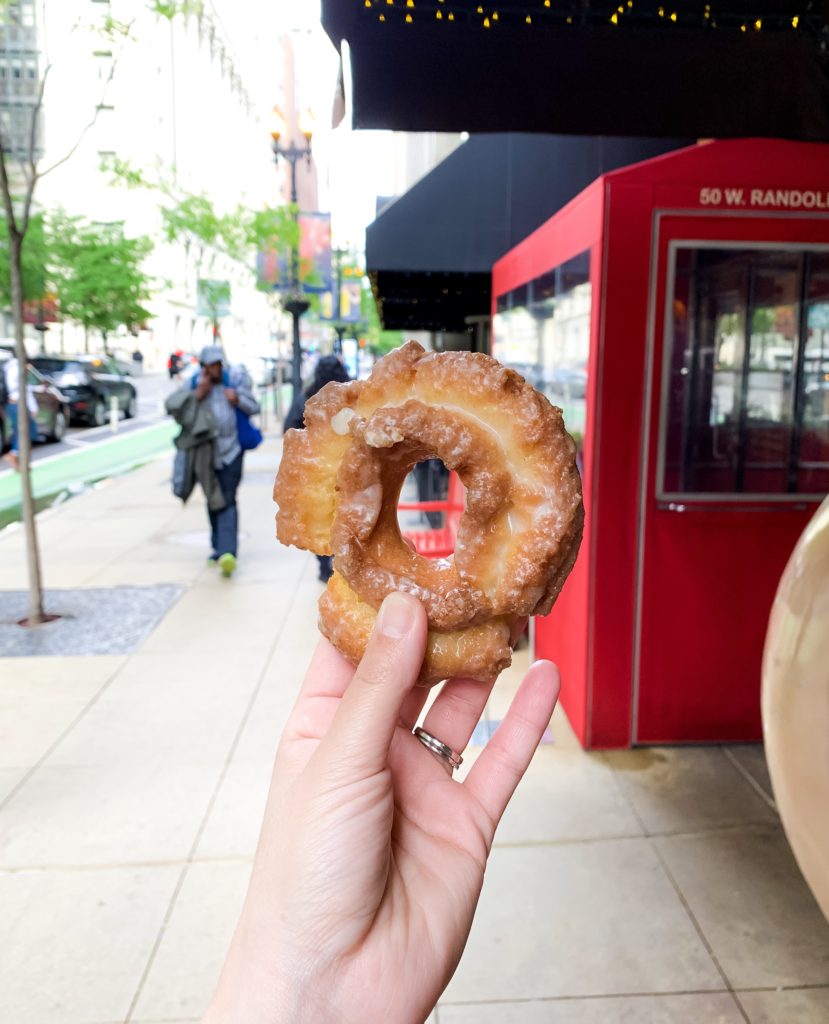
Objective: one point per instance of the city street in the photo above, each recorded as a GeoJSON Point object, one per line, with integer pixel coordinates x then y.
{"type": "Point", "coordinates": [90, 454]}
{"type": "Point", "coordinates": [152, 391]}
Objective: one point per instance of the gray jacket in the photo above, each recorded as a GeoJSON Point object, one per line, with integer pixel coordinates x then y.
{"type": "Point", "coordinates": [194, 444]}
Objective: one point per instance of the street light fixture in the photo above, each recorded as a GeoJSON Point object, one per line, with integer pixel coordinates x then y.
{"type": "Point", "coordinates": [296, 305]}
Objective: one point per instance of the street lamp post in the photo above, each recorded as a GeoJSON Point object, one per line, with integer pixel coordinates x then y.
{"type": "Point", "coordinates": [339, 326]}
{"type": "Point", "coordinates": [296, 305]}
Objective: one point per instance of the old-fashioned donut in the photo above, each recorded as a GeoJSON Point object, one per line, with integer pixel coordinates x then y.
{"type": "Point", "coordinates": [340, 479]}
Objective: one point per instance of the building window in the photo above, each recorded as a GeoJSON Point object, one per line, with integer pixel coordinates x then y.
{"type": "Point", "coordinates": [747, 397]}
{"type": "Point", "coordinates": [542, 330]}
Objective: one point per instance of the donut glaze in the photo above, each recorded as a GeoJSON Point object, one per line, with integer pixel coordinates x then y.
{"type": "Point", "coordinates": [339, 483]}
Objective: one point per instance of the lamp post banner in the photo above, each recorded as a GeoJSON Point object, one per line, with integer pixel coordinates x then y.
{"type": "Point", "coordinates": [350, 310]}
{"type": "Point", "coordinates": [273, 269]}
{"type": "Point", "coordinates": [315, 252]}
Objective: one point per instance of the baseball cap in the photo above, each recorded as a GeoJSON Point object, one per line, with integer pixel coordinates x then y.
{"type": "Point", "coordinates": [211, 354]}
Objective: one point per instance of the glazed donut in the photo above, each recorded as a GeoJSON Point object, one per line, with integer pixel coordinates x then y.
{"type": "Point", "coordinates": [339, 483]}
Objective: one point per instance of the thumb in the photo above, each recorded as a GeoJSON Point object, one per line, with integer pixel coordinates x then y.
{"type": "Point", "coordinates": [357, 744]}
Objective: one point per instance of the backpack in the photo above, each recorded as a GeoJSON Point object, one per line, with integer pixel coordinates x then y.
{"type": "Point", "coordinates": [250, 436]}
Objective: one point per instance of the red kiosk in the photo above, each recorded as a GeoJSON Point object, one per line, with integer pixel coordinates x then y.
{"type": "Point", "coordinates": [678, 311]}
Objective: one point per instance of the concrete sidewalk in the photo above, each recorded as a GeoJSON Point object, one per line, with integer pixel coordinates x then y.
{"type": "Point", "coordinates": [645, 887]}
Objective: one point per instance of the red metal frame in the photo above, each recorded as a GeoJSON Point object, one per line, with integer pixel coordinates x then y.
{"type": "Point", "coordinates": [438, 542]}
{"type": "Point", "coordinates": [659, 629]}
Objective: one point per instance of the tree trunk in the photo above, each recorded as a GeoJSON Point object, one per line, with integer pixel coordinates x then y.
{"type": "Point", "coordinates": [36, 614]}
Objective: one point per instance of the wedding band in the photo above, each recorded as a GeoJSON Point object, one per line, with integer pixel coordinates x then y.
{"type": "Point", "coordinates": [451, 758]}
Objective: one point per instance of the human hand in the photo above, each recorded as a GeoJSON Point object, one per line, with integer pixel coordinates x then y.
{"type": "Point", "coordinates": [372, 857]}
{"type": "Point", "coordinates": [231, 396]}
{"type": "Point", "coordinates": [204, 385]}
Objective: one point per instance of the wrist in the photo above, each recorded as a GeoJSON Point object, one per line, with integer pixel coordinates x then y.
{"type": "Point", "coordinates": [284, 990]}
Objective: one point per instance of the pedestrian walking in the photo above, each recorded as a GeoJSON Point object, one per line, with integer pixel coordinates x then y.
{"type": "Point", "coordinates": [174, 364]}
{"type": "Point", "coordinates": [328, 369]}
{"type": "Point", "coordinates": [214, 411]}
{"type": "Point", "coordinates": [11, 371]}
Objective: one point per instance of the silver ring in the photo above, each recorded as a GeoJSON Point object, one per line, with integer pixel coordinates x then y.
{"type": "Point", "coordinates": [451, 758]}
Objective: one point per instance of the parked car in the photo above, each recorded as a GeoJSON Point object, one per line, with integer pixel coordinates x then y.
{"type": "Point", "coordinates": [89, 384]}
{"type": "Point", "coordinates": [568, 382]}
{"type": "Point", "coordinates": [52, 410]}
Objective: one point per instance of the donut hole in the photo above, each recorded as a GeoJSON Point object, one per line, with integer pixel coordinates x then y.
{"type": "Point", "coordinates": [427, 481]}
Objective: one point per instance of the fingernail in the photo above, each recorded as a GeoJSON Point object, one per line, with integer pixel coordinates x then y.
{"type": "Point", "coordinates": [396, 616]}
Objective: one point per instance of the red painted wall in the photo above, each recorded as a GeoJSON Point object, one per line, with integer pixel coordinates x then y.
{"type": "Point", "coordinates": [562, 636]}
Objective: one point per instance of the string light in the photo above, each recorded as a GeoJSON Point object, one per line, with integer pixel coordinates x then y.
{"type": "Point", "coordinates": [615, 18]}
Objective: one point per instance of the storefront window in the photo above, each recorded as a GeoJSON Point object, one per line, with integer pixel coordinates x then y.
{"type": "Point", "coordinates": [542, 330]}
{"type": "Point", "coordinates": [748, 391]}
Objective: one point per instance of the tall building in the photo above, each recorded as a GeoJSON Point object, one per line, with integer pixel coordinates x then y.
{"type": "Point", "coordinates": [171, 98]}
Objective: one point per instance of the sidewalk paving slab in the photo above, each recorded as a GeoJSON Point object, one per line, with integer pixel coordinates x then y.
{"type": "Point", "coordinates": [74, 942]}
{"type": "Point", "coordinates": [580, 919]}
{"type": "Point", "coordinates": [745, 891]}
{"type": "Point", "coordinates": [715, 1008]}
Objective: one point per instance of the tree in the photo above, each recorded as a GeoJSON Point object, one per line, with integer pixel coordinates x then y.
{"type": "Point", "coordinates": [99, 280]}
{"type": "Point", "coordinates": [34, 259]}
{"type": "Point", "coordinates": [20, 172]}
{"type": "Point", "coordinates": [240, 233]}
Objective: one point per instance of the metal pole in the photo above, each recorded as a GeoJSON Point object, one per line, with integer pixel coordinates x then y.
{"type": "Point", "coordinates": [296, 359]}
{"type": "Point", "coordinates": [295, 305]}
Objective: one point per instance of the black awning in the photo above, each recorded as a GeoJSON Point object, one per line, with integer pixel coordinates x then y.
{"type": "Point", "coordinates": [430, 253]}
{"type": "Point", "coordinates": [430, 301]}
{"type": "Point", "coordinates": [696, 69]}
